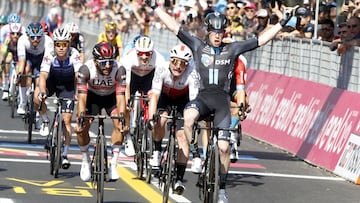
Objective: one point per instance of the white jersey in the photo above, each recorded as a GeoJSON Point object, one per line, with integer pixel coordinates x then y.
{"type": "Point", "coordinates": [5, 31]}
{"type": "Point", "coordinates": [103, 85]}
{"type": "Point", "coordinates": [73, 60]}
{"type": "Point", "coordinates": [188, 82]}
{"type": "Point", "coordinates": [131, 63]}
{"type": "Point", "coordinates": [25, 47]}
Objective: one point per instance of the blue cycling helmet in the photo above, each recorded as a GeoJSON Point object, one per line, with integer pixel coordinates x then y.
{"type": "Point", "coordinates": [13, 18]}
{"type": "Point", "coordinates": [35, 29]}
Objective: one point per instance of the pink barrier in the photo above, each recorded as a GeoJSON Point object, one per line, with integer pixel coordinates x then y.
{"type": "Point", "coordinates": [311, 120]}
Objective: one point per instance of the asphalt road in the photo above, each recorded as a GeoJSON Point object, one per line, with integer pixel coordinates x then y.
{"type": "Point", "coordinates": [263, 174]}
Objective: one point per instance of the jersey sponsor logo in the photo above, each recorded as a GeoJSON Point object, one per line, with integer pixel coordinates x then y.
{"type": "Point", "coordinates": [223, 62]}
{"type": "Point", "coordinates": [103, 82]}
{"type": "Point", "coordinates": [206, 60]}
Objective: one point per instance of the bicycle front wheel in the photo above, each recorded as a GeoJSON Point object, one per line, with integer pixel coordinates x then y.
{"type": "Point", "coordinates": [139, 152]}
{"type": "Point", "coordinates": [99, 171]}
{"type": "Point", "coordinates": [212, 176]}
{"type": "Point", "coordinates": [31, 118]}
{"type": "Point", "coordinates": [57, 145]}
{"type": "Point", "coordinates": [167, 174]}
{"type": "Point", "coordinates": [147, 146]}
{"type": "Point", "coordinates": [13, 101]}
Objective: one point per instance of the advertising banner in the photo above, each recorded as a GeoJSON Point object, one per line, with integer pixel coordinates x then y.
{"type": "Point", "coordinates": [308, 119]}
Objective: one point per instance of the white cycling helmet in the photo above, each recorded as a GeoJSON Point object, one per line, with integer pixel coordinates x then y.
{"type": "Point", "coordinates": [144, 44]}
{"type": "Point", "coordinates": [15, 27]}
{"type": "Point", "coordinates": [181, 51]}
{"type": "Point", "coordinates": [73, 27]}
{"type": "Point", "coordinates": [61, 34]}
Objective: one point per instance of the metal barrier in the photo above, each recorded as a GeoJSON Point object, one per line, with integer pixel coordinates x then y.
{"type": "Point", "coordinates": [302, 58]}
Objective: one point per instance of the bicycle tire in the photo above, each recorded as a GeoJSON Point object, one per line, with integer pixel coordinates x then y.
{"type": "Point", "coordinates": [212, 176]}
{"type": "Point", "coordinates": [100, 169]}
{"type": "Point", "coordinates": [52, 149]}
{"type": "Point", "coordinates": [139, 152]}
{"type": "Point", "coordinates": [147, 137]}
{"type": "Point", "coordinates": [31, 118]}
{"type": "Point", "coordinates": [168, 175]}
{"type": "Point", "coordinates": [13, 101]}
{"type": "Point", "coordinates": [58, 143]}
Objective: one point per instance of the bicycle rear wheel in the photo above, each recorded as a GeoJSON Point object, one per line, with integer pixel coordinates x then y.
{"type": "Point", "coordinates": [99, 171]}
{"type": "Point", "coordinates": [167, 174]}
{"type": "Point", "coordinates": [147, 146]}
{"type": "Point", "coordinates": [212, 176]}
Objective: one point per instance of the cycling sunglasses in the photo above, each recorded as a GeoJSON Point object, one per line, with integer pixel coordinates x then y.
{"type": "Point", "coordinates": [106, 62]}
{"type": "Point", "coordinates": [35, 37]}
{"type": "Point", "coordinates": [15, 33]}
{"type": "Point", "coordinates": [179, 62]}
{"type": "Point", "coordinates": [146, 53]}
{"type": "Point", "coordinates": [61, 44]}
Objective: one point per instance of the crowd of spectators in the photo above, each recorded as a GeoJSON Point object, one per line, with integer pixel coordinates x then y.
{"type": "Point", "coordinates": [247, 18]}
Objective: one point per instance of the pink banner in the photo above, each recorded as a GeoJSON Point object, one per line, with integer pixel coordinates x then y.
{"type": "Point", "coordinates": [309, 119]}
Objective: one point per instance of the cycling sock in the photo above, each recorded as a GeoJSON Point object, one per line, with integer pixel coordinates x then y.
{"type": "Point", "coordinates": [234, 121]}
{"type": "Point", "coordinates": [204, 152]}
{"type": "Point", "coordinates": [5, 85]}
{"type": "Point", "coordinates": [180, 171]}
{"type": "Point", "coordinates": [222, 180]}
{"type": "Point", "coordinates": [44, 117]}
{"type": "Point", "coordinates": [115, 153]}
{"type": "Point", "coordinates": [85, 152]}
{"type": "Point", "coordinates": [157, 145]}
{"type": "Point", "coordinates": [22, 96]}
{"type": "Point", "coordinates": [66, 149]}
{"type": "Point", "coordinates": [195, 150]}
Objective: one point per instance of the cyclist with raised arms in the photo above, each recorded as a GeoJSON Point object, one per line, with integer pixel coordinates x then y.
{"type": "Point", "coordinates": [31, 49]}
{"type": "Point", "coordinates": [57, 76]}
{"type": "Point", "coordinates": [140, 64]}
{"type": "Point", "coordinates": [77, 39]}
{"type": "Point", "coordinates": [101, 85]}
{"type": "Point", "coordinates": [173, 85]}
{"type": "Point", "coordinates": [214, 61]}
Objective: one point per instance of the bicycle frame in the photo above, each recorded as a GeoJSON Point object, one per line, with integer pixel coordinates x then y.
{"type": "Point", "coordinates": [99, 161]}
{"type": "Point", "coordinates": [209, 179]}
{"type": "Point", "coordinates": [167, 168]}
{"type": "Point", "coordinates": [141, 137]}
{"type": "Point", "coordinates": [56, 139]}
{"type": "Point", "coordinates": [30, 112]}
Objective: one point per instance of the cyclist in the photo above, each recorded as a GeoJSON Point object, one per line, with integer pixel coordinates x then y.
{"type": "Point", "coordinates": [237, 92]}
{"type": "Point", "coordinates": [214, 61]}
{"type": "Point", "coordinates": [175, 84]}
{"type": "Point", "coordinates": [31, 49]}
{"type": "Point", "coordinates": [4, 33]}
{"type": "Point", "coordinates": [111, 35]}
{"type": "Point", "coordinates": [140, 64]}
{"type": "Point", "coordinates": [57, 75]}
{"type": "Point", "coordinates": [77, 40]}
{"type": "Point", "coordinates": [46, 28]}
{"type": "Point", "coordinates": [3, 22]}
{"type": "Point", "coordinates": [101, 85]}
{"type": "Point", "coordinates": [9, 52]}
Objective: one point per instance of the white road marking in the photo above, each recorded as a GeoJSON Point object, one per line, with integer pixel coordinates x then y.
{"type": "Point", "coordinates": [132, 166]}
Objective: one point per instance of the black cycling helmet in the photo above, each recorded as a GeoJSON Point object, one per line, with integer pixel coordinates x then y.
{"type": "Point", "coordinates": [216, 21]}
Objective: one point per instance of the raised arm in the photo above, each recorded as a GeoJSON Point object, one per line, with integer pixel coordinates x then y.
{"type": "Point", "coordinates": [169, 21]}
